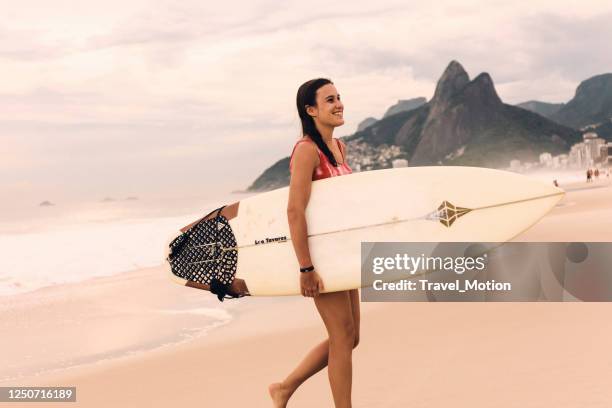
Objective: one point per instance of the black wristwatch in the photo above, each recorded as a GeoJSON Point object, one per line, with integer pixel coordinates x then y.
{"type": "Point", "coordinates": [307, 269]}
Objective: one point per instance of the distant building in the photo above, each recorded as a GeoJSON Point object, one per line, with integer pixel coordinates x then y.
{"type": "Point", "coordinates": [607, 154]}
{"type": "Point", "coordinates": [363, 156]}
{"type": "Point", "coordinates": [399, 163]}
{"type": "Point", "coordinates": [546, 159]}
{"type": "Point", "coordinates": [577, 156]}
{"type": "Point", "coordinates": [593, 142]}
{"type": "Point", "coordinates": [588, 152]}
{"type": "Point", "coordinates": [555, 162]}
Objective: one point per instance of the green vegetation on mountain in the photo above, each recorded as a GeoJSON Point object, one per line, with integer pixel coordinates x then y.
{"type": "Point", "coordinates": [591, 105]}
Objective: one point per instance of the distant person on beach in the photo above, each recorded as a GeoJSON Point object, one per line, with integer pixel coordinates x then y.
{"type": "Point", "coordinates": [317, 155]}
{"type": "Point", "coordinates": [597, 173]}
{"type": "Point", "coordinates": [555, 183]}
{"type": "Point", "coordinates": [589, 175]}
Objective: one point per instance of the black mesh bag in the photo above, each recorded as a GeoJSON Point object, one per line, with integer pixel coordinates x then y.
{"type": "Point", "coordinates": [206, 253]}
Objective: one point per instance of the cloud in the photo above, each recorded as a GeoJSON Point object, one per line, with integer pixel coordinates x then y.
{"type": "Point", "coordinates": [28, 45]}
{"type": "Point", "coordinates": [577, 48]}
{"type": "Point", "coordinates": [187, 87]}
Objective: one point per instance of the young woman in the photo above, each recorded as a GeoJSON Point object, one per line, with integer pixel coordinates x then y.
{"type": "Point", "coordinates": [315, 156]}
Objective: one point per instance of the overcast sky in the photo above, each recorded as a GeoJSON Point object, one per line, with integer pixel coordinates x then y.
{"type": "Point", "coordinates": [138, 97]}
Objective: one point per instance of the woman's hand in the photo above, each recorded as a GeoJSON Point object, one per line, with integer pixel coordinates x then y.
{"type": "Point", "coordinates": [311, 283]}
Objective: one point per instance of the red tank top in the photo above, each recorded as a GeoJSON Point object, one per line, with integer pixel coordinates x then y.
{"type": "Point", "coordinates": [325, 169]}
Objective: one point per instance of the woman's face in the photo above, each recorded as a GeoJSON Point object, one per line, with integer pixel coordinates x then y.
{"type": "Point", "coordinates": [329, 110]}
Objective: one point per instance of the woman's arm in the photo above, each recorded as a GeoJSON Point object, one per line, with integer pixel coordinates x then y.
{"type": "Point", "coordinates": [305, 159]}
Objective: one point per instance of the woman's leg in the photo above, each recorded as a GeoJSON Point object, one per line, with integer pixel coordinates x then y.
{"type": "Point", "coordinates": [337, 314]}
{"type": "Point", "coordinates": [314, 361]}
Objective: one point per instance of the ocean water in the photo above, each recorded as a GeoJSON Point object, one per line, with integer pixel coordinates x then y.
{"type": "Point", "coordinates": [47, 247]}
{"type": "Point", "coordinates": [53, 245]}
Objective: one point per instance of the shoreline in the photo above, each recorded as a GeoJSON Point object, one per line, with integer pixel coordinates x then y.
{"type": "Point", "coordinates": [69, 314]}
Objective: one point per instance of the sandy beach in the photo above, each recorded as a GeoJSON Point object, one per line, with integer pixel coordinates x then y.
{"type": "Point", "coordinates": [410, 354]}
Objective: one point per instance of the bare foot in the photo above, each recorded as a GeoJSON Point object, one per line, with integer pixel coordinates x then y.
{"type": "Point", "coordinates": [279, 395]}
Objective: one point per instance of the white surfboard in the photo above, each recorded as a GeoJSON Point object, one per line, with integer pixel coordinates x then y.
{"type": "Point", "coordinates": [413, 204]}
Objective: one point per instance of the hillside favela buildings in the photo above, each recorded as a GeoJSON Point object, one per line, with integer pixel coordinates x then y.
{"type": "Point", "coordinates": [363, 156]}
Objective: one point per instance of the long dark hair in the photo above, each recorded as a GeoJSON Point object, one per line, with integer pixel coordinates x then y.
{"type": "Point", "coordinates": [306, 95]}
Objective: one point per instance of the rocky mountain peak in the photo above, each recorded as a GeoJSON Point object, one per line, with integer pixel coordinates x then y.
{"type": "Point", "coordinates": [594, 86]}
{"type": "Point", "coordinates": [405, 105]}
{"type": "Point", "coordinates": [482, 90]}
{"type": "Point", "coordinates": [464, 114]}
{"type": "Point", "coordinates": [591, 105]}
{"type": "Point", "coordinates": [453, 80]}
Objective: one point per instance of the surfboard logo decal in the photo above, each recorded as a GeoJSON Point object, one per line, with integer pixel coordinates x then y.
{"type": "Point", "coordinates": [271, 240]}
{"type": "Point", "coordinates": [447, 213]}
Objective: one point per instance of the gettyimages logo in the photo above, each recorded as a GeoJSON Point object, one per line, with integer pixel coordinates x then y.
{"type": "Point", "coordinates": [412, 264]}
{"type": "Point", "coordinates": [459, 271]}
